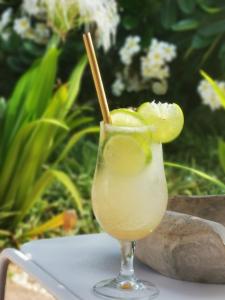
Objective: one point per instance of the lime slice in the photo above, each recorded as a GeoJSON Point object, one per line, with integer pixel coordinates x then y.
{"type": "Point", "coordinates": [124, 155]}
{"type": "Point", "coordinates": [126, 117]}
{"type": "Point", "coordinates": [167, 120]}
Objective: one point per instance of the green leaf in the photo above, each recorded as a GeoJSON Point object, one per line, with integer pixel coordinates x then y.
{"type": "Point", "coordinates": [75, 81]}
{"type": "Point", "coordinates": [130, 22]}
{"type": "Point", "coordinates": [7, 214]}
{"type": "Point", "coordinates": [185, 25]}
{"type": "Point", "coordinates": [208, 9]}
{"type": "Point", "coordinates": [70, 186]}
{"type": "Point", "coordinates": [213, 28]}
{"type": "Point", "coordinates": [187, 6]}
{"type": "Point", "coordinates": [32, 48]}
{"type": "Point", "coordinates": [80, 121]}
{"type": "Point", "coordinates": [168, 13]}
{"type": "Point", "coordinates": [3, 106]}
{"type": "Point", "coordinates": [74, 139]}
{"type": "Point", "coordinates": [38, 189]}
{"type": "Point", "coordinates": [17, 159]}
{"type": "Point", "coordinates": [5, 233]}
{"type": "Point", "coordinates": [200, 42]}
{"type": "Point", "coordinates": [55, 222]}
{"type": "Point", "coordinates": [43, 83]}
{"type": "Point", "coordinates": [216, 88]}
{"type": "Point", "coordinates": [31, 95]}
{"type": "Point", "coordinates": [201, 174]}
{"type": "Point", "coordinates": [221, 153]}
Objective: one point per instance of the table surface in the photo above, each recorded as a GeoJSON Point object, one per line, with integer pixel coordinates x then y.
{"type": "Point", "coordinates": [76, 263]}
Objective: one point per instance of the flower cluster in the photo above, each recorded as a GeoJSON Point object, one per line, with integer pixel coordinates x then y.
{"type": "Point", "coordinates": [66, 14]}
{"type": "Point", "coordinates": [208, 95]}
{"type": "Point", "coordinates": [5, 21]}
{"type": "Point", "coordinates": [118, 85]}
{"type": "Point", "coordinates": [22, 26]}
{"type": "Point", "coordinates": [104, 14]}
{"type": "Point", "coordinates": [154, 66]}
{"type": "Point", "coordinates": [39, 17]}
{"type": "Point", "coordinates": [130, 48]}
{"type": "Point", "coordinates": [33, 8]}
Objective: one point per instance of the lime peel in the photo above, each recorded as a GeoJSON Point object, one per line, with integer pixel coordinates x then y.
{"type": "Point", "coordinates": [167, 119]}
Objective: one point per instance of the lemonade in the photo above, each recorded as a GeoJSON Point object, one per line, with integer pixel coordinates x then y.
{"type": "Point", "coordinates": [129, 199]}
{"type": "Point", "coordinates": [129, 192]}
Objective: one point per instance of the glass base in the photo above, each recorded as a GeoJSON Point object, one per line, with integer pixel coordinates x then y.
{"type": "Point", "coordinates": [130, 290]}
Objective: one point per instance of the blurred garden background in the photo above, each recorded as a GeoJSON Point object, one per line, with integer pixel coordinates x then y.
{"type": "Point", "coordinates": [49, 115]}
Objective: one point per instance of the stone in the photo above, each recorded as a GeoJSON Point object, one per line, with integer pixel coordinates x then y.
{"type": "Point", "coordinates": [186, 247]}
{"type": "Point", "coordinates": [206, 207]}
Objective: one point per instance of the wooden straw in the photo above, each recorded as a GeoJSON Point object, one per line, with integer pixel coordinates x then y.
{"type": "Point", "coordinates": [97, 77]}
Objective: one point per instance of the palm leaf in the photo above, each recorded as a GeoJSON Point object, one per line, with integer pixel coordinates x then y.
{"type": "Point", "coordinates": [201, 174]}
{"type": "Point", "coordinates": [221, 153]}
{"type": "Point", "coordinates": [74, 139]}
{"type": "Point", "coordinates": [216, 88]}
{"type": "Point", "coordinates": [67, 219]}
{"type": "Point", "coordinates": [17, 160]}
{"type": "Point", "coordinates": [75, 80]}
{"type": "Point", "coordinates": [70, 186]}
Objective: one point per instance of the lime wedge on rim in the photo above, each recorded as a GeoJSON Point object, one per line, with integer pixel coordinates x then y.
{"type": "Point", "coordinates": [126, 117]}
{"type": "Point", "coordinates": [167, 120]}
{"type": "Point", "coordinates": [124, 155]}
{"type": "Point", "coordinates": [127, 151]}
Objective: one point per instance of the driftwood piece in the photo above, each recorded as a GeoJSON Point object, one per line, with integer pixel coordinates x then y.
{"type": "Point", "coordinates": [206, 207]}
{"type": "Point", "coordinates": [188, 247]}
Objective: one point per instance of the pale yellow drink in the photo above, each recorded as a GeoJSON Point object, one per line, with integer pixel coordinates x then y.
{"type": "Point", "coordinates": [129, 206]}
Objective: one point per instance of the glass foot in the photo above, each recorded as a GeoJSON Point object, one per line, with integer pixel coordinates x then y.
{"type": "Point", "coordinates": [132, 290]}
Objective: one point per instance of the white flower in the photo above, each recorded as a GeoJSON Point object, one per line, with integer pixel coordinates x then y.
{"type": "Point", "coordinates": [169, 52]}
{"type": "Point", "coordinates": [129, 49]}
{"type": "Point", "coordinates": [105, 15]}
{"type": "Point", "coordinates": [208, 95]}
{"type": "Point", "coordinates": [134, 84]}
{"type": "Point", "coordinates": [32, 7]}
{"type": "Point", "coordinates": [5, 18]}
{"type": "Point", "coordinates": [118, 86]}
{"type": "Point", "coordinates": [155, 58]}
{"type": "Point", "coordinates": [155, 64]}
{"type": "Point", "coordinates": [5, 35]}
{"type": "Point", "coordinates": [160, 87]}
{"type": "Point", "coordinates": [42, 33]}
{"type": "Point", "coordinates": [22, 26]}
{"type": "Point", "coordinates": [149, 70]}
{"type": "Point", "coordinates": [64, 15]}
{"type": "Point", "coordinates": [164, 50]}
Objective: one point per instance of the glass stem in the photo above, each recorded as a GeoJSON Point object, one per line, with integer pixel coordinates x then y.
{"type": "Point", "coordinates": [126, 275]}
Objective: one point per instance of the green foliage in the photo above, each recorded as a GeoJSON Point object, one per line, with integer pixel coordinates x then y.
{"type": "Point", "coordinates": [34, 120]}
{"type": "Point", "coordinates": [221, 153]}
{"type": "Point", "coordinates": [199, 173]}
{"type": "Point", "coordinates": [221, 96]}
{"type": "Point", "coordinates": [196, 27]}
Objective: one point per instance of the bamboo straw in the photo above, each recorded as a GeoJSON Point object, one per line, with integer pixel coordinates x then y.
{"type": "Point", "coordinates": [97, 78]}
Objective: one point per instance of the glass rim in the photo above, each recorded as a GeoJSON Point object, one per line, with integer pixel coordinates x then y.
{"type": "Point", "coordinates": [111, 127]}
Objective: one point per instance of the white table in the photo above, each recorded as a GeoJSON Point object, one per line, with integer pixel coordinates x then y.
{"type": "Point", "coordinates": [69, 267]}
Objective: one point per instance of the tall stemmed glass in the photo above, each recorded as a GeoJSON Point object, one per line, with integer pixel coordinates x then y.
{"type": "Point", "coordinates": [129, 198]}
{"type": "Point", "coordinates": [129, 193]}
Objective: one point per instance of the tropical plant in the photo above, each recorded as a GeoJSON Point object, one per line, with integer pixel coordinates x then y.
{"type": "Point", "coordinates": [221, 96]}
{"type": "Point", "coordinates": [33, 122]}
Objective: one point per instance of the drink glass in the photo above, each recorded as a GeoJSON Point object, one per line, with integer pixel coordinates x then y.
{"type": "Point", "coordinates": [129, 199]}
